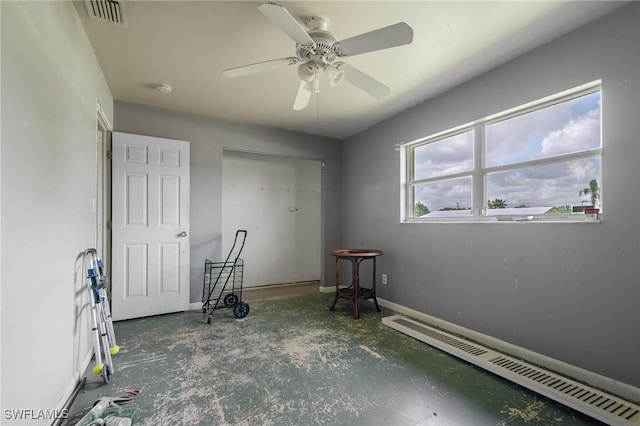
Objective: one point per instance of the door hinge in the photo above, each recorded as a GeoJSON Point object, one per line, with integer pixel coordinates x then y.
{"type": "Point", "coordinates": [109, 155]}
{"type": "Point", "coordinates": [109, 224]}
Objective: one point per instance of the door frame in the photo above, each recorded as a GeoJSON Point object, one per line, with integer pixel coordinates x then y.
{"type": "Point", "coordinates": [103, 189]}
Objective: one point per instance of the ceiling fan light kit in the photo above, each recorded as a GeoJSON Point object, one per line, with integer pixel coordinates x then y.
{"type": "Point", "coordinates": [314, 85]}
{"type": "Point", "coordinates": [307, 71]}
{"type": "Point", "coordinates": [317, 49]}
{"type": "Point", "coordinates": [334, 74]}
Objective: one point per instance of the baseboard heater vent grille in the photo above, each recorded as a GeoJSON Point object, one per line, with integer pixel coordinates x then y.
{"type": "Point", "coordinates": [590, 401]}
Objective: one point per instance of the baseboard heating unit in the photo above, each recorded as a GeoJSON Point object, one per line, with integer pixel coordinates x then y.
{"type": "Point", "coordinates": [590, 401]}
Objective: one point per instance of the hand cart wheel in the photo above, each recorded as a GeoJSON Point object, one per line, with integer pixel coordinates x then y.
{"type": "Point", "coordinates": [230, 300]}
{"type": "Point", "coordinates": [241, 310]}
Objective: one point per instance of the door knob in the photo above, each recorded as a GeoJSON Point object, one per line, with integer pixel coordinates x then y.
{"type": "Point", "coordinates": [183, 234]}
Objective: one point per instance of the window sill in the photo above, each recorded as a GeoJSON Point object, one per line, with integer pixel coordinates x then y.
{"type": "Point", "coordinates": [511, 219]}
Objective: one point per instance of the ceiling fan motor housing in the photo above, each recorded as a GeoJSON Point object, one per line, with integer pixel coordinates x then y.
{"type": "Point", "coordinates": [322, 53]}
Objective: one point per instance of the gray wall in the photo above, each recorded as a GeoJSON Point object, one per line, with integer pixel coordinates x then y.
{"type": "Point", "coordinates": [568, 291]}
{"type": "Point", "coordinates": [208, 138]}
{"type": "Point", "coordinates": [51, 80]}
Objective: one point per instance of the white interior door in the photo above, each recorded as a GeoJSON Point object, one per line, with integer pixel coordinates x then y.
{"type": "Point", "coordinates": [150, 226]}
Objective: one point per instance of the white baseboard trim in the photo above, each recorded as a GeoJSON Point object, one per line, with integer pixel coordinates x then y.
{"type": "Point", "coordinates": [71, 388]}
{"type": "Point", "coordinates": [270, 286]}
{"type": "Point", "coordinates": [624, 390]}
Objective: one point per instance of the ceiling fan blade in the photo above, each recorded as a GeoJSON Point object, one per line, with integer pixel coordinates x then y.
{"type": "Point", "coordinates": [302, 97]}
{"type": "Point", "coordinates": [282, 18]}
{"type": "Point", "coordinates": [363, 81]}
{"type": "Point", "coordinates": [260, 66]}
{"type": "Point", "coordinates": [383, 38]}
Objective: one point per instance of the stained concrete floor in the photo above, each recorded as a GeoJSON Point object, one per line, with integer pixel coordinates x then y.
{"type": "Point", "coordinates": [291, 361]}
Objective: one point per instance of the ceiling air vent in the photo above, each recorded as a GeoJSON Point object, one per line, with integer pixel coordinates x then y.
{"type": "Point", "coordinates": [111, 11]}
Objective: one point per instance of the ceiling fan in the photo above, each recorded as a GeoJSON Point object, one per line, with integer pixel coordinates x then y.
{"type": "Point", "coordinates": [318, 50]}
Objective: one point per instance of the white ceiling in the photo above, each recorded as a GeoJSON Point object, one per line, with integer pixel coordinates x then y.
{"type": "Point", "coordinates": [187, 44]}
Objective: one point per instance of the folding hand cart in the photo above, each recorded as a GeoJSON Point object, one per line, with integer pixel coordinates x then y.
{"type": "Point", "coordinates": [223, 281]}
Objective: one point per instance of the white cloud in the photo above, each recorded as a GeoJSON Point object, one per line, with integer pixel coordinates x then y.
{"type": "Point", "coordinates": [519, 137]}
{"type": "Point", "coordinates": [545, 132]}
{"type": "Point", "coordinates": [446, 156]}
{"type": "Point", "coordinates": [552, 185]}
{"type": "Point", "coordinates": [578, 134]}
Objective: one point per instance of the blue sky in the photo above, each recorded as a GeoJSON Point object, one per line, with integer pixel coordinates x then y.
{"type": "Point", "coordinates": [562, 128]}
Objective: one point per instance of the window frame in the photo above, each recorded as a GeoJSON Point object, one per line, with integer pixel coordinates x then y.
{"type": "Point", "coordinates": [479, 173]}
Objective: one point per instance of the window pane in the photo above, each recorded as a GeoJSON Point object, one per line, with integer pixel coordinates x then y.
{"type": "Point", "coordinates": [448, 198]}
{"type": "Point", "coordinates": [569, 126]}
{"type": "Point", "coordinates": [550, 189]}
{"type": "Point", "coordinates": [444, 157]}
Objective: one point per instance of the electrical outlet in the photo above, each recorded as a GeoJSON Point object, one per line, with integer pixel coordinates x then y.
{"type": "Point", "coordinates": [207, 278]}
{"type": "Point", "coordinates": [384, 279]}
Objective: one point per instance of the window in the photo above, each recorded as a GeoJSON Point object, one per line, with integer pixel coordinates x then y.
{"type": "Point", "coordinates": [541, 161]}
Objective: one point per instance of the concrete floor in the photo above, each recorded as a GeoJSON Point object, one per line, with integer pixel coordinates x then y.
{"type": "Point", "coordinates": [291, 361]}
{"type": "Point", "coordinates": [280, 291]}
